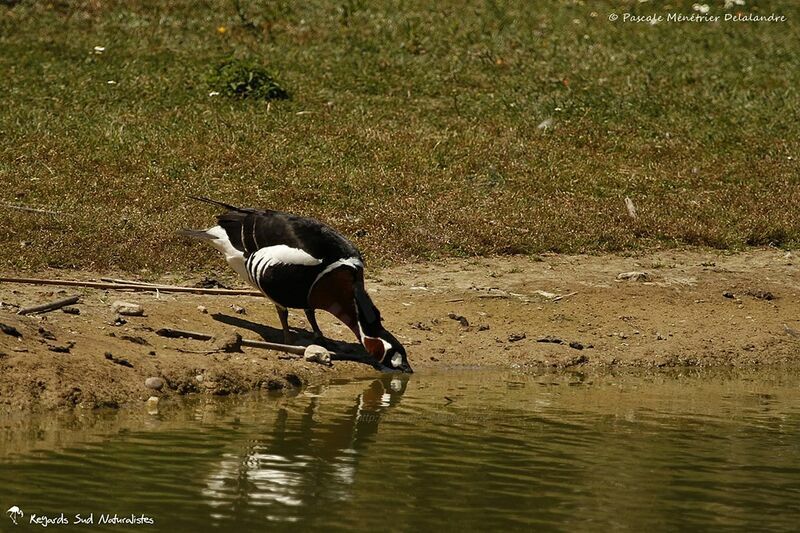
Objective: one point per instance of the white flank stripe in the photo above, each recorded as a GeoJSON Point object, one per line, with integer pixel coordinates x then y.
{"type": "Point", "coordinates": [280, 254]}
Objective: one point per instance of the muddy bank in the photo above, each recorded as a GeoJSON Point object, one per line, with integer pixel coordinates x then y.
{"type": "Point", "coordinates": [672, 309]}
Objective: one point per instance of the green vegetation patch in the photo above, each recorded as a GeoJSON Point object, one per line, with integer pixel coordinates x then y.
{"type": "Point", "coordinates": [245, 79]}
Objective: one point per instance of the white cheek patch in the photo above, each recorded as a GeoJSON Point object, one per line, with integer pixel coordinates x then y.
{"type": "Point", "coordinates": [234, 257]}
{"type": "Point", "coordinates": [397, 360]}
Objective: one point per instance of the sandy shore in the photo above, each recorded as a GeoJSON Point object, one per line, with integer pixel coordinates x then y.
{"type": "Point", "coordinates": [684, 308]}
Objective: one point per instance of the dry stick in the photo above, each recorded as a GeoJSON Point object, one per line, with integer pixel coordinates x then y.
{"type": "Point", "coordinates": [52, 306]}
{"type": "Point", "coordinates": [295, 350]}
{"type": "Point", "coordinates": [162, 288]}
{"type": "Point", "coordinates": [178, 333]}
{"type": "Point", "coordinates": [128, 282]}
{"type": "Point", "coordinates": [31, 209]}
{"type": "Point", "coordinates": [561, 297]}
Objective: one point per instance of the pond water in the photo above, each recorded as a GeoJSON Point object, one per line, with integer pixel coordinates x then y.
{"type": "Point", "coordinates": [463, 449]}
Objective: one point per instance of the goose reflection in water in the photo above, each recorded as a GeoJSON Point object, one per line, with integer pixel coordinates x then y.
{"type": "Point", "coordinates": [310, 454]}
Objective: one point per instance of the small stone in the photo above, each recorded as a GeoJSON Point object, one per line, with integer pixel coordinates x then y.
{"type": "Point", "coordinates": [514, 337]}
{"type": "Point", "coordinates": [728, 294]}
{"type": "Point", "coordinates": [135, 339]}
{"type": "Point", "coordinates": [483, 327]}
{"type": "Point", "coordinates": [155, 383]}
{"type": "Point", "coordinates": [576, 345]}
{"type": "Point", "coordinates": [152, 405]}
{"type": "Point", "coordinates": [61, 348]}
{"type": "Point", "coordinates": [634, 276]}
{"type": "Point", "coordinates": [577, 360]}
{"type": "Point", "coordinates": [317, 354]}
{"type": "Point", "coordinates": [71, 310]}
{"type": "Point", "coordinates": [228, 343]}
{"type": "Point", "coordinates": [46, 334]}
{"type": "Point", "coordinates": [151, 352]}
{"type": "Point", "coordinates": [119, 321]}
{"type": "Point", "coordinates": [761, 295]}
{"type": "Point", "coordinates": [203, 309]}
{"type": "Point", "coordinates": [550, 339]}
{"type": "Point", "coordinates": [199, 378]}
{"type": "Point", "coordinates": [127, 308]}
{"type": "Point", "coordinates": [238, 309]}
{"type": "Point", "coordinates": [118, 360]}
{"type": "Point", "coordinates": [660, 337]}
{"type": "Point", "coordinates": [460, 319]}
{"type": "Point", "coordinates": [10, 330]}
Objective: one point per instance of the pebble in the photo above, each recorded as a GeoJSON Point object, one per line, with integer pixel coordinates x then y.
{"type": "Point", "coordinates": [634, 276]}
{"type": "Point", "coordinates": [118, 360]}
{"type": "Point", "coordinates": [152, 405]}
{"type": "Point", "coordinates": [317, 354]}
{"type": "Point", "coordinates": [127, 308]}
{"type": "Point", "coordinates": [761, 295]}
{"type": "Point", "coordinates": [71, 310]}
{"type": "Point", "coordinates": [61, 348]}
{"type": "Point", "coordinates": [10, 330]}
{"type": "Point", "coordinates": [460, 319]}
{"type": "Point", "coordinates": [228, 343]}
{"type": "Point", "coordinates": [514, 337]}
{"type": "Point", "coordinates": [550, 339]}
{"type": "Point", "coordinates": [203, 309]}
{"type": "Point", "coordinates": [728, 294]}
{"type": "Point", "coordinates": [155, 383]}
{"type": "Point", "coordinates": [238, 309]}
{"type": "Point", "coordinates": [576, 345]}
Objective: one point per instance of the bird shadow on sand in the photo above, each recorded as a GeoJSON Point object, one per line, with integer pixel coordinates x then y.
{"type": "Point", "coordinates": [302, 337]}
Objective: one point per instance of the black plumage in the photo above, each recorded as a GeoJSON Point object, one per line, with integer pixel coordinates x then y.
{"type": "Point", "coordinates": [302, 263]}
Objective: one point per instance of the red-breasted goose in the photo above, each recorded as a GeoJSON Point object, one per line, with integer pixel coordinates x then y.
{"type": "Point", "coordinates": [301, 263]}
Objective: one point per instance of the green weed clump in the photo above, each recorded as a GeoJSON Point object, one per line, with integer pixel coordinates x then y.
{"type": "Point", "coordinates": [245, 79]}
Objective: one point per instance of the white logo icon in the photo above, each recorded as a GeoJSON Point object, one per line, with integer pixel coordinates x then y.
{"type": "Point", "coordinates": [15, 512]}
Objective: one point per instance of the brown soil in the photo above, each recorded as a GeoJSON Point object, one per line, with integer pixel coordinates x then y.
{"type": "Point", "coordinates": [693, 308]}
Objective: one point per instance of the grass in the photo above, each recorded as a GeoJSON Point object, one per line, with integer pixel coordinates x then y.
{"type": "Point", "coordinates": [413, 127]}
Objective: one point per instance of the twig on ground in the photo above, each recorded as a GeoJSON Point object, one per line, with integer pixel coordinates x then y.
{"type": "Point", "coordinates": [51, 306]}
{"type": "Point", "coordinates": [132, 286]}
{"type": "Point", "coordinates": [128, 282]}
{"type": "Point", "coordinates": [179, 333]}
{"type": "Point", "coordinates": [287, 348]}
{"type": "Point", "coordinates": [562, 296]}
{"type": "Point", "coordinates": [30, 209]}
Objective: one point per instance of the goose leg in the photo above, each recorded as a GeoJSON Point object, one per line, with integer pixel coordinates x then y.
{"type": "Point", "coordinates": [283, 315]}
{"type": "Point", "coordinates": [319, 338]}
